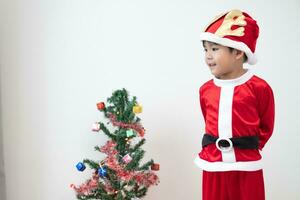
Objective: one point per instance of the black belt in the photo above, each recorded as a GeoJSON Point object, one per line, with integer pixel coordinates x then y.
{"type": "Point", "coordinates": [245, 142]}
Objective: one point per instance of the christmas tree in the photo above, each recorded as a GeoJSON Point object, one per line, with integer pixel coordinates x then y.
{"type": "Point", "coordinates": [119, 176]}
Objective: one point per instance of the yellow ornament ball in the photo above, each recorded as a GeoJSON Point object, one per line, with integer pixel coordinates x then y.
{"type": "Point", "coordinates": [137, 109]}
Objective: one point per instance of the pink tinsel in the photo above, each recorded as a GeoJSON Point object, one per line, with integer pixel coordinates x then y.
{"type": "Point", "coordinates": [146, 178]}
{"type": "Point", "coordinates": [109, 148]}
{"type": "Point", "coordinates": [135, 126]}
{"type": "Point", "coordinates": [87, 187]}
{"type": "Point", "coordinates": [125, 175]}
{"type": "Point", "coordinates": [108, 188]}
{"type": "Point", "coordinates": [112, 163]}
{"type": "Point", "coordinates": [143, 178]}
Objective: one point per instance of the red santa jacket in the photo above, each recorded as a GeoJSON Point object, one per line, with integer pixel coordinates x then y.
{"type": "Point", "coordinates": [243, 106]}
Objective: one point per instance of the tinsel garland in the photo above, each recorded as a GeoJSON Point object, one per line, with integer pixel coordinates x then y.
{"type": "Point", "coordinates": [135, 126]}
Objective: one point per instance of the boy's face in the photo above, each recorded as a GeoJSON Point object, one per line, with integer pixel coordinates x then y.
{"type": "Point", "coordinates": [219, 58]}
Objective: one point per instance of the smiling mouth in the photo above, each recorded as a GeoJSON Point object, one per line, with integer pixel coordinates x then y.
{"type": "Point", "coordinates": [211, 65]}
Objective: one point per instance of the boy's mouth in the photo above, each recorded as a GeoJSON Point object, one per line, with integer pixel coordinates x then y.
{"type": "Point", "coordinates": [211, 65]}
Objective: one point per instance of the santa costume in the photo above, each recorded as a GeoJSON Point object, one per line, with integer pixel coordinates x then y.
{"type": "Point", "coordinates": [239, 117]}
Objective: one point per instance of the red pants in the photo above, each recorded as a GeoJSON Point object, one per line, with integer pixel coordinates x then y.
{"type": "Point", "coordinates": [233, 185]}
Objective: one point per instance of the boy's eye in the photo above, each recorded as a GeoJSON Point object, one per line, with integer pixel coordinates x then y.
{"type": "Point", "coordinates": [215, 49]}
{"type": "Point", "coordinates": [205, 50]}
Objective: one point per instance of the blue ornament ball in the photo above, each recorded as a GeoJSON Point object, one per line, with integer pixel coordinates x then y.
{"type": "Point", "coordinates": [80, 166]}
{"type": "Point", "coordinates": [102, 172]}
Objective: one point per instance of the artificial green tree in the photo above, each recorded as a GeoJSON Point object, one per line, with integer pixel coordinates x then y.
{"type": "Point", "coordinates": [119, 176]}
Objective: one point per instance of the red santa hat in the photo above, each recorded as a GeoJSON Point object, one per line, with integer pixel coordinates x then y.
{"type": "Point", "coordinates": [234, 29]}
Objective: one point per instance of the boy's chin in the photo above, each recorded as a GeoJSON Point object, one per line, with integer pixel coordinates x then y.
{"type": "Point", "coordinates": [214, 72]}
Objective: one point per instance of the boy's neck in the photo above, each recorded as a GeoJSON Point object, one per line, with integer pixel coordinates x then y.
{"type": "Point", "coordinates": [239, 71]}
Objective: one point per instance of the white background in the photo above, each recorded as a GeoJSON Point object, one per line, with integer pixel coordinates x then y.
{"type": "Point", "coordinates": [60, 57]}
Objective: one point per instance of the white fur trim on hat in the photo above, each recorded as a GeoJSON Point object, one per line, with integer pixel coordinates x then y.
{"type": "Point", "coordinates": [251, 57]}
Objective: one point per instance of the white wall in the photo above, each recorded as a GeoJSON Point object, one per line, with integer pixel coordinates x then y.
{"type": "Point", "coordinates": [60, 57]}
{"type": "Point", "coordinates": [2, 175]}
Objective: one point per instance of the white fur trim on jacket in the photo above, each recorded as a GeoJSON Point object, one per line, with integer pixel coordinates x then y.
{"type": "Point", "coordinates": [223, 166]}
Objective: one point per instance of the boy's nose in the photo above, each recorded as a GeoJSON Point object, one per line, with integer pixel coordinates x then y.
{"type": "Point", "coordinates": [208, 56]}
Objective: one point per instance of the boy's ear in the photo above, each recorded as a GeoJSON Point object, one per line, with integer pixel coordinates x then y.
{"type": "Point", "coordinates": [238, 54]}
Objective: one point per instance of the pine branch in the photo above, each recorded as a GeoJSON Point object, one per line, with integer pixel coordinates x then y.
{"type": "Point", "coordinates": [136, 158]}
{"type": "Point", "coordinates": [114, 179]}
{"type": "Point", "coordinates": [97, 148]}
{"type": "Point", "coordinates": [119, 98]}
{"type": "Point", "coordinates": [128, 113]}
{"type": "Point", "coordinates": [137, 120]}
{"type": "Point", "coordinates": [138, 145]}
{"type": "Point", "coordinates": [121, 141]}
{"type": "Point", "coordinates": [141, 192]}
{"type": "Point", "coordinates": [119, 196]}
{"type": "Point", "coordinates": [146, 165]}
{"type": "Point", "coordinates": [109, 109]}
{"type": "Point", "coordinates": [92, 164]}
{"type": "Point", "coordinates": [106, 131]}
{"type": "Point", "coordinates": [129, 194]}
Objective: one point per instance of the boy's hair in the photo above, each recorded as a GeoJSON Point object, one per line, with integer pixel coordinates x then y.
{"type": "Point", "coordinates": [230, 49]}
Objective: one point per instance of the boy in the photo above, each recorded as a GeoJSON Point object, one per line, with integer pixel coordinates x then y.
{"type": "Point", "coordinates": [238, 109]}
